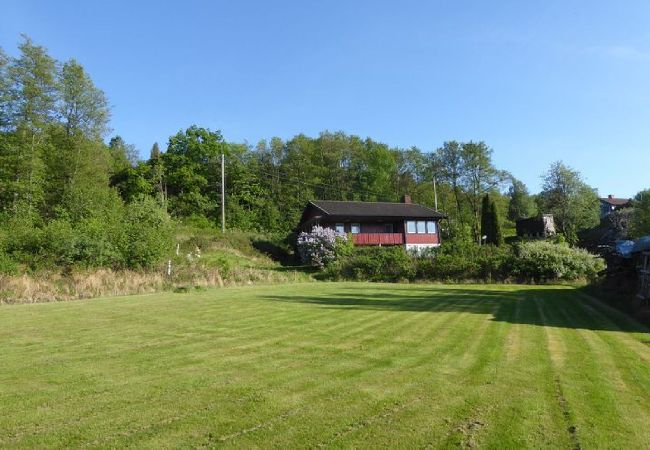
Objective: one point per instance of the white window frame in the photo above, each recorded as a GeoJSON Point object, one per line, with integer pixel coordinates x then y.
{"type": "Point", "coordinates": [341, 225]}
{"type": "Point", "coordinates": [415, 228]}
{"type": "Point", "coordinates": [434, 226]}
{"type": "Point", "coordinates": [354, 226]}
{"type": "Point", "coordinates": [423, 223]}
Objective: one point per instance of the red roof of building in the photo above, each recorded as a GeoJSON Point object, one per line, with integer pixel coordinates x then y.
{"type": "Point", "coordinates": [616, 201]}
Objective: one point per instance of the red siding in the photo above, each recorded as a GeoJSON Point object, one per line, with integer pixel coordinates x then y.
{"type": "Point", "coordinates": [378, 239]}
{"type": "Point", "coordinates": [422, 238]}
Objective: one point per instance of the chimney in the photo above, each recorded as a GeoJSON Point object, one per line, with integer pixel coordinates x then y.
{"type": "Point", "coordinates": [610, 196]}
{"type": "Point", "coordinates": [406, 199]}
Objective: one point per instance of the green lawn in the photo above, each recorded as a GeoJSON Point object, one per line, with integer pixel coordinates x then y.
{"type": "Point", "coordinates": [326, 365]}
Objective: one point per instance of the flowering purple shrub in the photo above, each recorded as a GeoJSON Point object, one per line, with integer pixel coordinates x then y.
{"type": "Point", "coordinates": [319, 247]}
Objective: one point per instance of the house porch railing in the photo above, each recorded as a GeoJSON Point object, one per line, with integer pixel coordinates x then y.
{"type": "Point", "coordinates": [378, 239]}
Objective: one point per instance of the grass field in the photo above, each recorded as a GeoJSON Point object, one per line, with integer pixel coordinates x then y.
{"type": "Point", "coordinates": [326, 365]}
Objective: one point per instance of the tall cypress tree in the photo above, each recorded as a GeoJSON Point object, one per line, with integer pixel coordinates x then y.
{"type": "Point", "coordinates": [496, 237]}
{"type": "Point", "coordinates": [486, 218]}
{"type": "Point", "coordinates": [155, 152]}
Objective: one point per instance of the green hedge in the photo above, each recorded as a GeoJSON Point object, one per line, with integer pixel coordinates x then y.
{"type": "Point", "coordinates": [455, 262]}
{"type": "Point", "coordinates": [372, 264]}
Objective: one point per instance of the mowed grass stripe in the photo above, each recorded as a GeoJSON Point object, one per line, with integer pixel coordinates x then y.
{"type": "Point", "coordinates": [585, 381]}
{"type": "Point", "coordinates": [257, 428]}
{"type": "Point", "coordinates": [291, 426]}
{"type": "Point", "coordinates": [386, 389]}
{"type": "Point", "coordinates": [430, 399]}
{"type": "Point", "coordinates": [528, 414]}
{"type": "Point", "coordinates": [405, 394]}
{"type": "Point", "coordinates": [625, 366]}
{"type": "Point", "coordinates": [332, 364]}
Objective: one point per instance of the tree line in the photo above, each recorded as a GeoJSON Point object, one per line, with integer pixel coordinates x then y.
{"type": "Point", "coordinates": [60, 172]}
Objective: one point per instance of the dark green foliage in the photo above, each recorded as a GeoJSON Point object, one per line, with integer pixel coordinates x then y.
{"type": "Point", "coordinates": [373, 264]}
{"type": "Point", "coordinates": [490, 222]}
{"type": "Point", "coordinates": [641, 216]}
{"type": "Point", "coordinates": [486, 218]}
{"type": "Point", "coordinates": [496, 236]}
{"type": "Point", "coordinates": [467, 261]}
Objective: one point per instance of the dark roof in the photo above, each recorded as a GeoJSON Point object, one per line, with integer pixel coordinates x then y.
{"type": "Point", "coordinates": [375, 209]}
{"type": "Point", "coordinates": [616, 201]}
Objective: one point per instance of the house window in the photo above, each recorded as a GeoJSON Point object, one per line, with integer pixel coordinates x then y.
{"type": "Point", "coordinates": [340, 228]}
{"type": "Point", "coordinates": [355, 228]}
{"type": "Point", "coordinates": [422, 227]}
{"type": "Point", "coordinates": [431, 227]}
{"type": "Point", "coordinates": [388, 228]}
{"type": "Point", "coordinates": [410, 226]}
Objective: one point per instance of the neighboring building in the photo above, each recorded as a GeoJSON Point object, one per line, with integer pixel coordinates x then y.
{"type": "Point", "coordinates": [611, 204]}
{"type": "Point", "coordinates": [540, 227]}
{"type": "Point", "coordinates": [416, 227]}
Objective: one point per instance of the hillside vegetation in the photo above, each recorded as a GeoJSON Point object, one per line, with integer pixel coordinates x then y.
{"type": "Point", "coordinates": [205, 258]}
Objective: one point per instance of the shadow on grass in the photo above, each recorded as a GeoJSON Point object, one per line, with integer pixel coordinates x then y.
{"type": "Point", "coordinates": [563, 307]}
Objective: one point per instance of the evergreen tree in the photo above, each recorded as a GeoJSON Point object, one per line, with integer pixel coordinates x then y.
{"type": "Point", "coordinates": [486, 219]}
{"type": "Point", "coordinates": [155, 152]}
{"type": "Point", "coordinates": [496, 237]}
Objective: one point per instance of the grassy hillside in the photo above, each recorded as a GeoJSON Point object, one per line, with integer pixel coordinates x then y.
{"type": "Point", "coordinates": [200, 258]}
{"type": "Point", "coordinates": [326, 364]}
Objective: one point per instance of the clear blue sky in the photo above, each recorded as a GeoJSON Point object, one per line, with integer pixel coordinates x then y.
{"type": "Point", "coordinates": [538, 81]}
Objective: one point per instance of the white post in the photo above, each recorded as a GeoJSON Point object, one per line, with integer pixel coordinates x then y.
{"type": "Point", "coordinates": [169, 267]}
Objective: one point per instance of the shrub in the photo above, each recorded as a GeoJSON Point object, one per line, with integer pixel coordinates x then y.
{"type": "Point", "coordinates": [461, 260]}
{"type": "Point", "coordinates": [148, 233]}
{"type": "Point", "coordinates": [374, 264]}
{"type": "Point", "coordinates": [546, 261]}
{"type": "Point", "coordinates": [89, 243]}
{"type": "Point", "coordinates": [7, 265]}
{"type": "Point", "coordinates": [319, 248]}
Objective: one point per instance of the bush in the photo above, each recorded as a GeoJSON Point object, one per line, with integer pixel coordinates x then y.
{"type": "Point", "coordinates": [148, 233]}
{"type": "Point", "coordinates": [319, 248]}
{"type": "Point", "coordinates": [89, 243]}
{"type": "Point", "coordinates": [7, 265]}
{"type": "Point", "coordinates": [545, 261]}
{"type": "Point", "coordinates": [537, 261]}
{"type": "Point", "coordinates": [461, 261]}
{"type": "Point", "coordinates": [373, 264]}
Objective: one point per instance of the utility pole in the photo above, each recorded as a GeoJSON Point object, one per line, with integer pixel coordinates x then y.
{"type": "Point", "coordinates": [435, 194]}
{"type": "Point", "coordinates": [223, 195]}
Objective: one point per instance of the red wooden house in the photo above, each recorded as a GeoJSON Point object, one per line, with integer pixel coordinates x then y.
{"type": "Point", "coordinates": [416, 227]}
